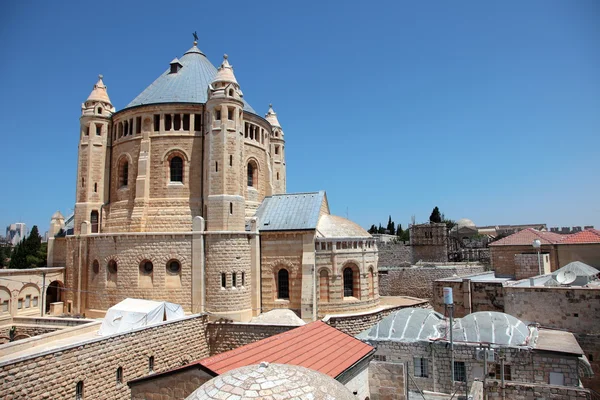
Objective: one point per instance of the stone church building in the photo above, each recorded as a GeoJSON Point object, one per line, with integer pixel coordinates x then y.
{"type": "Point", "coordinates": [181, 196]}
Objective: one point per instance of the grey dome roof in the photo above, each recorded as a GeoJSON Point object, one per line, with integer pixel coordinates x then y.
{"type": "Point", "coordinates": [406, 325]}
{"type": "Point", "coordinates": [491, 327]}
{"type": "Point", "coordinates": [188, 85]}
{"type": "Point", "coordinates": [272, 381]}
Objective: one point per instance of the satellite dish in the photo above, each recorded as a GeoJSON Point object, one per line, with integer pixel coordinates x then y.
{"type": "Point", "coordinates": [566, 277]}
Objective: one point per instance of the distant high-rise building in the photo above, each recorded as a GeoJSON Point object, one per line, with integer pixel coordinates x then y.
{"type": "Point", "coordinates": [16, 232]}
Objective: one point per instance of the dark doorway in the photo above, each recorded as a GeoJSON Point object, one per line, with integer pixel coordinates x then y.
{"type": "Point", "coordinates": [54, 293]}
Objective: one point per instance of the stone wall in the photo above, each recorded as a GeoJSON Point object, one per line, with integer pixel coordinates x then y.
{"type": "Point", "coordinates": [394, 255]}
{"type": "Point", "coordinates": [225, 336]}
{"type": "Point", "coordinates": [25, 331]}
{"type": "Point", "coordinates": [503, 258]}
{"type": "Point", "coordinates": [526, 365]}
{"type": "Point", "coordinates": [55, 373]}
{"type": "Point", "coordinates": [518, 391]}
{"type": "Point", "coordinates": [418, 281]}
{"type": "Point", "coordinates": [353, 324]}
{"type": "Point", "coordinates": [590, 344]}
{"type": "Point", "coordinates": [102, 290]}
{"type": "Point", "coordinates": [386, 381]}
{"type": "Point", "coordinates": [176, 385]}
{"type": "Point", "coordinates": [569, 308]}
{"type": "Point", "coordinates": [469, 296]}
{"type": "Point", "coordinates": [429, 242]}
{"type": "Point", "coordinates": [586, 253]}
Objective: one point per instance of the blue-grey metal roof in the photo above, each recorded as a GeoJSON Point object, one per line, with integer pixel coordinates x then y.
{"type": "Point", "coordinates": [188, 85]}
{"type": "Point", "coordinates": [290, 212]}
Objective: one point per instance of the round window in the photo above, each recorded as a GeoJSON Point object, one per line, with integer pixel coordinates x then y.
{"type": "Point", "coordinates": [95, 266]}
{"type": "Point", "coordinates": [174, 266]}
{"type": "Point", "coordinates": [112, 266]}
{"type": "Point", "coordinates": [147, 267]}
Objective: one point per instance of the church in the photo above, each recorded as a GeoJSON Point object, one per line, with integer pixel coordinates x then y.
{"type": "Point", "coordinates": [181, 196]}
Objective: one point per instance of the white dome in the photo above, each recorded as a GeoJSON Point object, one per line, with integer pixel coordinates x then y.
{"type": "Point", "coordinates": [331, 226]}
{"type": "Point", "coordinates": [272, 381]}
{"type": "Point", "coordinates": [465, 222]}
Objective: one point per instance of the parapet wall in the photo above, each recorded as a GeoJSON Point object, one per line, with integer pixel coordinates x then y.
{"type": "Point", "coordinates": [54, 373]}
{"type": "Point", "coordinates": [225, 336]}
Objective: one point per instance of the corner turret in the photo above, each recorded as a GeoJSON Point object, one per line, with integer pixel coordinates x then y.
{"type": "Point", "coordinates": [277, 152]}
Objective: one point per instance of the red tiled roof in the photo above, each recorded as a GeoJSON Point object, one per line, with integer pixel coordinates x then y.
{"type": "Point", "coordinates": [587, 236]}
{"type": "Point", "coordinates": [527, 236]}
{"type": "Point", "coordinates": [316, 346]}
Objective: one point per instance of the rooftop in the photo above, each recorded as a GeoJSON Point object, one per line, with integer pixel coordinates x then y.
{"type": "Point", "coordinates": [316, 345]}
{"type": "Point", "coordinates": [527, 236]}
{"type": "Point", "coordinates": [557, 341]}
{"type": "Point", "coordinates": [482, 277]}
{"type": "Point", "coordinates": [189, 84]}
{"type": "Point", "coordinates": [587, 236]}
{"type": "Point", "coordinates": [291, 212]}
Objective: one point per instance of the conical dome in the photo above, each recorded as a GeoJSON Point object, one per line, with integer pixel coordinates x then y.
{"type": "Point", "coordinates": [188, 84]}
{"type": "Point", "coordinates": [271, 116]}
{"type": "Point", "coordinates": [99, 92]}
{"type": "Point", "coordinates": [225, 72]}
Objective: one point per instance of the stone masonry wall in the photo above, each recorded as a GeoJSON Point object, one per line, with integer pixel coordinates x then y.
{"type": "Point", "coordinates": [526, 366]}
{"type": "Point", "coordinates": [353, 324]}
{"type": "Point", "coordinates": [526, 266]}
{"type": "Point", "coordinates": [225, 336]}
{"type": "Point", "coordinates": [24, 331]}
{"type": "Point", "coordinates": [590, 344]}
{"type": "Point", "coordinates": [130, 251]}
{"type": "Point", "coordinates": [418, 281]}
{"type": "Point", "coordinates": [173, 386]}
{"type": "Point", "coordinates": [503, 258]}
{"type": "Point", "coordinates": [54, 374]}
{"type": "Point", "coordinates": [569, 308]}
{"type": "Point", "coordinates": [517, 391]}
{"type": "Point", "coordinates": [394, 255]}
{"type": "Point", "coordinates": [386, 381]}
{"type": "Point", "coordinates": [485, 296]}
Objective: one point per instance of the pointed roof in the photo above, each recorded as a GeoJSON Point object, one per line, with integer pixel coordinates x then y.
{"type": "Point", "coordinates": [57, 215]}
{"type": "Point", "coordinates": [99, 92]}
{"type": "Point", "coordinates": [271, 116]}
{"type": "Point", "coordinates": [225, 72]}
{"type": "Point", "coordinates": [527, 236]}
{"type": "Point", "coordinates": [188, 85]}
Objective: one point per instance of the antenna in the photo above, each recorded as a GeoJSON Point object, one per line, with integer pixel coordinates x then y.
{"type": "Point", "coordinates": [566, 277]}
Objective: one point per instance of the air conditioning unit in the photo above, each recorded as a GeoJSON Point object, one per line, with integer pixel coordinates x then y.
{"type": "Point", "coordinates": [484, 354]}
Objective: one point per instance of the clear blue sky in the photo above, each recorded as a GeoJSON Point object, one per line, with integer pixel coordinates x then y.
{"type": "Point", "coordinates": [489, 110]}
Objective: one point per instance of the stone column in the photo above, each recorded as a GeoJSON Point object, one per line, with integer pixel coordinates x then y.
{"type": "Point", "coordinates": [308, 281]}
{"type": "Point", "coordinates": [198, 272]}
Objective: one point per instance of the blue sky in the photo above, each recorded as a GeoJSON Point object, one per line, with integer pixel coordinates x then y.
{"type": "Point", "coordinates": [488, 110]}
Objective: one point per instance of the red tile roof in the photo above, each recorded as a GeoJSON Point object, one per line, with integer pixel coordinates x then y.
{"type": "Point", "coordinates": [527, 236]}
{"type": "Point", "coordinates": [587, 236]}
{"type": "Point", "coordinates": [316, 345]}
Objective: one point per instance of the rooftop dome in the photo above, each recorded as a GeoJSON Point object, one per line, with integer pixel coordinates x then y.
{"type": "Point", "coordinates": [99, 92]}
{"type": "Point", "coordinates": [465, 222]}
{"type": "Point", "coordinates": [491, 327]}
{"type": "Point", "coordinates": [186, 83]}
{"type": "Point", "coordinates": [408, 324]}
{"type": "Point", "coordinates": [271, 116]}
{"type": "Point", "coordinates": [272, 381]}
{"type": "Point", "coordinates": [331, 226]}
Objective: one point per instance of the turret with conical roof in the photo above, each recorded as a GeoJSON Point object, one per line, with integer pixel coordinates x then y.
{"type": "Point", "coordinates": [92, 185]}
{"type": "Point", "coordinates": [277, 152]}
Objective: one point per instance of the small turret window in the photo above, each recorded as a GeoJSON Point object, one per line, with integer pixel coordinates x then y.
{"type": "Point", "coordinates": [218, 115]}
{"type": "Point", "coordinates": [252, 174]}
{"type": "Point", "coordinates": [198, 122]}
{"type": "Point", "coordinates": [156, 122]}
{"type": "Point", "coordinates": [100, 110]}
{"type": "Point", "coordinates": [98, 129]}
{"type": "Point", "coordinates": [230, 111]}
{"type": "Point", "coordinates": [230, 92]}
{"type": "Point", "coordinates": [276, 149]}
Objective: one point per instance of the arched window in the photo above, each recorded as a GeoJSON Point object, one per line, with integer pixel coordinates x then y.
{"type": "Point", "coordinates": [283, 284]}
{"type": "Point", "coordinates": [124, 174]}
{"type": "Point", "coordinates": [94, 221]}
{"type": "Point", "coordinates": [324, 286]}
{"type": "Point", "coordinates": [119, 375]}
{"type": "Point", "coordinates": [348, 282]}
{"type": "Point", "coordinates": [176, 166]}
{"type": "Point", "coordinates": [79, 391]}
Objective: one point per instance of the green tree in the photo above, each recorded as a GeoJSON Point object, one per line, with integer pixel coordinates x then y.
{"type": "Point", "coordinates": [380, 229]}
{"type": "Point", "coordinates": [30, 252]}
{"type": "Point", "coordinates": [435, 215]}
{"type": "Point", "coordinates": [4, 254]}
{"type": "Point", "coordinates": [372, 229]}
{"type": "Point", "coordinates": [399, 231]}
{"type": "Point", "coordinates": [391, 226]}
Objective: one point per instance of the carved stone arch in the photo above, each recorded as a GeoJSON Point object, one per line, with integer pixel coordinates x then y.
{"type": "Point", "coordinates": [164, 259]}
{"type": "Point", "coordinates": [139, 258]}
{"type": "Point", "coordinates": [255, 161]}
{"type": "Point", "coordinates": [114, 257]}
{"type": "Point", "coordinates": [28, 285]}
{"type": "Point", "coordinates": [276, 265]}
{"type": "Point", "coordinates": [172, 152]}
{"type": "Point", "coordinates": [352, 261]}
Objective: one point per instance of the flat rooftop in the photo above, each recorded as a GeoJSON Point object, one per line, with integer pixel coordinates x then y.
{"type": "Point", "coordinates": [483, 277]}
{"type": "Point", "coordinates": [557, 341]}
